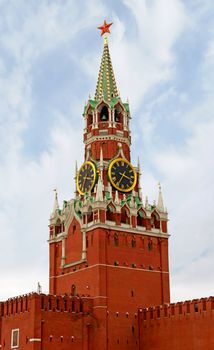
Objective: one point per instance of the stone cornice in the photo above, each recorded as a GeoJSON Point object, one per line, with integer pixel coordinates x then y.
{"type": "Point", "coordinates": [107, 137]}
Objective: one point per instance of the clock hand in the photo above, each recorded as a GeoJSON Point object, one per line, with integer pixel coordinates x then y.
{"type": "Point", "coordinates": [123, 175]}
{"type": "Point", "coordinates": [121, 178]}
{"type": "Point", "coordinates": [84, 181]}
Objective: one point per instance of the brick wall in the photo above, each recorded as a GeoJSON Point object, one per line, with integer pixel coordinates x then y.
{"type": "Point", "coordinates": [185, 325]}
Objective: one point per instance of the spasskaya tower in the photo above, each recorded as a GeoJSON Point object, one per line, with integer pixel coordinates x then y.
{"type": "Point", "coordinates": [106, 242]}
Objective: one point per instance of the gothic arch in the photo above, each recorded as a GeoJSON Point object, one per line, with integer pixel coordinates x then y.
{"type": "Point", "coordinates": [141, 217]}
{"type": "Point", "coordinates": [118, 115]}
{"type": "Point", "coordinates": [89, 214]}
{"type": "Point", "coordinates": [155, 220]}
{"type": "Point", "coordinates": [116, 240]}
{"type": "Point", "coordinates": [125, 215]}
{"type": "Point", "coordinates": [58, 226]}
{"type": "Point", "coordinates": [110, 212]}
{"type": "Point", "coordinates": [89, 116]}
{"type": "Point", "coordinates": [103, 113]}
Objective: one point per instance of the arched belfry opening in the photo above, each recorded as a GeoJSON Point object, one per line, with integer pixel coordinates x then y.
{"type": "Point", "coordinates": [89, 119]}
{"type": "Point", "coordinates": [118, 113]}
{"type": "Point", "coordinates": [117, 118]}
{"type": "Point", "coordinates": [104, 114]}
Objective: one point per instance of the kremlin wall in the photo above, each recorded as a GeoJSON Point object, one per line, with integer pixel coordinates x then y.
{"type": "Point", "coordinates": [109, 281]}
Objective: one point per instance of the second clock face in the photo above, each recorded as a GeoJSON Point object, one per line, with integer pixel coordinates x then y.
{"type": "Point", "coordinates": [122, 175]}
{"type": "Point", "coordinates": [86, 177]}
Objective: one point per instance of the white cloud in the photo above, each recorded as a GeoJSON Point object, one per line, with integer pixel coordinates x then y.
{"type": "Point", "coordinates": [150, 50]}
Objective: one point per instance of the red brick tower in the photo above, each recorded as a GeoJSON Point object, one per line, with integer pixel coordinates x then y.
{"type": "Point", "coordinates": [106, 242]}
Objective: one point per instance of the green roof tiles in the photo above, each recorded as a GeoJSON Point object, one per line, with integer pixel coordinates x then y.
{"type": "Point", "coordinates": [106, 85]}
{"type": "Point", "coordinates": [106, 88]}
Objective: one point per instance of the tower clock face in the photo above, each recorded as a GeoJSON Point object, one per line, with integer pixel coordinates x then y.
{"type": "Point", "coordinates": [122, 175]}
{"type": "Point", "coordinates": [86, 177]}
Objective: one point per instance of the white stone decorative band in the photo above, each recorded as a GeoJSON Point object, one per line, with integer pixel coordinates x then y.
{"type": "Point", "coordinates": [35, 339]}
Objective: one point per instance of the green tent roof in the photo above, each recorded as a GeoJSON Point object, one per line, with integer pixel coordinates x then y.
{"type": "Point", "coordinates": [106, 84]}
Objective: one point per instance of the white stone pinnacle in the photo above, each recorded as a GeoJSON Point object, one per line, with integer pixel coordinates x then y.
{"type": "Point", "coordinates": [116, 199]}
{"type": "Point", "coordinates": [56, 203]}
{"type": "Point", "coordinates": [99, 192]}
{"type": "Point", "coordinates": [160, 205]}
{"type": "Point", "coordinates": [110, 190]}
{"type": "Point", "coordinates": [146, 203]}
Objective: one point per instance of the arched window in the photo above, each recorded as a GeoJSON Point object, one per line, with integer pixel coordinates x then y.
{"type": "Point", "coordinates": [104, 114]}
{"type": "Point", "coordinates": [155, 220]}
{"type": "Point", "coordinates": [150, 245]}
{"type": "Point", "coordinates": [58, 227]}
{"type": "Point", "coordinates": [89, 119]}
{"type": "Point", "coordinates": [110, 213]}
{"type": "Point", "coordinates": [141, 218]}
{"type": "Point", "coordinates": [133, 242]}
{"type": "Point", "coordinates": [116, 240]}
{"type": "Point", "coordinates": [65, 304]}
{"type": "Point", "coordinates": [90, 215]}
{"type": "Point", "coordinates": [125, 216]}
{"type": "Point", "coordinates": [73, 290]}
{"type": "Point", "coordinates": [117, 117]}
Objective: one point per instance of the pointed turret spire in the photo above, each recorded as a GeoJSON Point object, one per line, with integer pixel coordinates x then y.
{"type": "Point", "coordinates": [160, 205]}
{"type": "Point", "coordinates": [56, 203]}
{"type": "Point", "coordinates": [106, 85]}
{"type": "Point", "coordinates": [147, 203]}
{"type": "Point", "coordinates": [76, 172]}
{"type": "Point", "coordinates": [116, 199]}
{"type": "Point", "coordinates": [99, 192]}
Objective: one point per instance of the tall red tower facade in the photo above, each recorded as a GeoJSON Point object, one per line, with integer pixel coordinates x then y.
{"type": "Point", "coordinates": [107, 243]}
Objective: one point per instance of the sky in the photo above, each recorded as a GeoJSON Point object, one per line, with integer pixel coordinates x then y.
{"type": "Point", "coordinates": [163, 57]}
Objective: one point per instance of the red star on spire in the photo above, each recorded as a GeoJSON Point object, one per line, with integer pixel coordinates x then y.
{"type": "Point", "coordinates": [105, 27]}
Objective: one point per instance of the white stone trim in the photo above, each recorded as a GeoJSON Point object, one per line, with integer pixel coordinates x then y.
{"type": "Point", "coordinates": [84, 250]}
{"type": "Point", "coordinates": [36, 340]}
{"type": "Point", "coordinates": [12, 333]}
{"type": "Point", "coordinates": [63, 253]}
{"type": "Point", "coordinates": [141, 230]}
{"type": "Point", "coordinates": [99, 296]}
{"type": "Point", "coordinates": [112, 266]}
{"type": "Point", "coordinates": [75, 263]}
{"type": "Point", "coordinates": [108, 137]}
